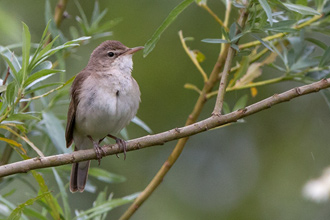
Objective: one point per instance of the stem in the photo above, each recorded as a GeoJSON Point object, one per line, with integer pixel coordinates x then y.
{"type": "Point", "coordinates": [224, 78]}
{"type": "Point", "coordinates": [59, 11]}
{"type": "Point", "coordinates": [214, 16]}
{"type": "Point", "coordinates": [280, 35]}
{"type": "Point", "coordinates": [161, 138]}
{"type": "Point", "coordinates": [193, 58]}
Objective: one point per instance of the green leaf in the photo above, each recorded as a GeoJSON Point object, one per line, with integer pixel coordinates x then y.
{"type": "Point", "coordinates": [82, 13]}
{"type": "Point", "coordinates": [241, 102]}
{"type": "Point", "coordinates": [304, 10]}
{"type": "Point", "coordinates": [96, 13]}
{"type": "Point", "coordinates": [106, 176]}
{"type": "Point", "coordinates": [3, 88]}
{"type": "Point", "coordinates": [225, 108]}
{"type": "Point", "coordinates": [41, 66]}
{"type": "Point", "coordinates": [10, 93]}
{"type": "Point", "coordinates": [325, 58]}
{"type": "Point", "coordinates": [143, 125]}
{"type": "Point", "coordinates": [214, 41]}
{"type": "Point", "coordinates": [21, 117]}
{"type": "Point", "coordinates": [16, 213]}
{"type": "Point", "coordinates": [264, 4]}
{"type": "Point", "coordinates": [150, 45]}
{"type": "Point", "coordinates": [35, 214]}
{"type": "Point", "coordinates": [232, 30]}
{"type": "Point", "coordinates": [42, 87]}
{"type": "Point", "coordinates": [106, 207]}
{"type": "Point", "coordinates": [50, 202]}
{"type": "Point", "coordinates": [26, 50]}
{"type": "Point", "coordinates": [263, 42]}
{"type": "Point", "coordinates": [55, 131]}
{"type": "Point", "coordinates": [64, 195]}
{"type": "Point", "coordinates": [39, 76]}
{"type": "Point", "coordinates": [12, 62]}
{"type": "Point", "coordinates": [326, 95]}
{"type": "Point", "coordinates": [317, 42]}
{"type": "Point", "coordinates": [282, 26]}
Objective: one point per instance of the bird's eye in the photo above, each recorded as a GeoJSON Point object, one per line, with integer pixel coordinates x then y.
{"type": "Point", "coordinates": [111, 54]}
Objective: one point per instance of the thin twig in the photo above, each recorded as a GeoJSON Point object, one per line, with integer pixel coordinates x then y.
{"type": "Point", "coordinates": [59, 11]}
{"type": "Point", "coordinates": [192, 57]}
{"type": "Point", "coordinates": [161, 138]}
{"type": "Point", "coordinates": [226, 70]}
{"type": "Point", "coordinates": [6, 77]}
{"type": "Point", "coordinates": [280, 35]}
{"type": "Point", "coordinates": [214, 16]}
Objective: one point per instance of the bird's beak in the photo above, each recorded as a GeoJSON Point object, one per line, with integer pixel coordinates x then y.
{"type": "Point", "coordinates": [133, 50]}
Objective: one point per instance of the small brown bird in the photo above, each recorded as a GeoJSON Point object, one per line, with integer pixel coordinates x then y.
{"type": "Point", "coordinates": [104, 99]}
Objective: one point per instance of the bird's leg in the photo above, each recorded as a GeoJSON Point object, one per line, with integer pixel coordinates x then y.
{"type": "Point", "coordinates": [98, 150]}
{"type": "Point", "coordinates": [121, 143]}
{"type": "Point", "coordinates": [102, 140]}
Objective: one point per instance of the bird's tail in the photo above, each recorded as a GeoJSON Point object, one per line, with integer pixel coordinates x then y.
{"type": "Point", "coordinates": [79, 174]}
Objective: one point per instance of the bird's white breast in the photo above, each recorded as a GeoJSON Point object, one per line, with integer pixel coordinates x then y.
{"type": "Point", "coordinates": [107, 103]}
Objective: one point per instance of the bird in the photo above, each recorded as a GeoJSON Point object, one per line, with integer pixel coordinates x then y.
{"type": "Point", "coordinates": [104, 99]}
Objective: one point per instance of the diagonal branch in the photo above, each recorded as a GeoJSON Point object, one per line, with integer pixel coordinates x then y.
{"type": "Point", "coordinates": [161, 138]}
{"type": "Point", "coordinates": [158, 178]}
{"type": "Point", "coordinates": [226, 70]}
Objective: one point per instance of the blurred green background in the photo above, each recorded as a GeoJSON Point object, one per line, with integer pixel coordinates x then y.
{"type": "Point", "coordinates": [250, 170]}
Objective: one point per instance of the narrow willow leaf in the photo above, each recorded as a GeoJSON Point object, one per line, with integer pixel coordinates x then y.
{"type": "Point", "coordinates": [264, 4]}
{"type": "Point", "coordinates": [10, 141]}
{"type": "Point", "coordinates": [317, 42]}
{"type": "Point", "coordinates": [150, 45]}
{"type": "Point", "coordinates": [52, 204]}
{"type": "Point", "coordinates": [10, 93]}
{"type": "Point", "coordinates": [21, 117]}
{"type": "Point", "coordinates": [12, 62]}
{"type": "Point", "coordinates": [241, 102]}
{"type": "Point", "coordinates": [41, 66]}
{"type": "Point", "coordinates": [26, 50]}
{"type": "Point", "coordinates": [64, 195]}
{"type": "Point", "coordinates": [325, 58]}
{"type": "Point", "coordinates": [16, 213]}
{"type": "Point", "coordinates": [44, 39]}
{"type": "Point", "coordinates": [263, 42]}
{"type": "Point", "coordinates": [96, 13]}
{"type": "Point", "coordinates": [3, 88]}
{"type": "Point", "coordinates": [326, 95]}
{"type": "Point", "coordinates": [105, 176]}
{"type": "Point", "coordinates": [42, 87]}
{"type": "Point", "coordinates": [106, 207]}
{"type": "Point", "coordinates": [214, 41]}
{"type": "Point", "coordinates": [304, 10]}
{"type": "Point", "coordinates": [82, 13]}
{"type": "Point", "coordinates": [40, 76]}
{"type": "Point", "coordinates": [55, 131]}
{"type": "Point", "coordinates": [143, 125]}
{"type": "Point", "coordinates": [49, 92]}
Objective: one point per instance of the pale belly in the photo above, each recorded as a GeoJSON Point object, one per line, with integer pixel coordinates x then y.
{"type": "Point", "coordinates": [107, 110]}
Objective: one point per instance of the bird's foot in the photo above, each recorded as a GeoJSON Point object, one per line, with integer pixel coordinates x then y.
{"type": "Point", "coordinates": [98, 150]}
{"type": "Point", "coordinates": [121, 143]}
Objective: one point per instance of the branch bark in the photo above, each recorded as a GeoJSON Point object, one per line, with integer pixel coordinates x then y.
{"type": "Point", "coordinates": [161, 138]}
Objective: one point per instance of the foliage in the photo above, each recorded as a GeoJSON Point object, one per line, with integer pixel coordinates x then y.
{"type": "Point", "coordinates": [276, 35]}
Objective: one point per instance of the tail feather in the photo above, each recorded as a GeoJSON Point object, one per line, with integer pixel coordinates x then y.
{"type": "Point", "coordinates": [79, 174]}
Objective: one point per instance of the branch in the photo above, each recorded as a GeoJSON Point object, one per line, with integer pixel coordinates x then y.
{"type": "Point", "coordinates": [161, 138]}
{"type": "Point", "coordinates": [226, 70]}
{"type": "Point", "coordinates": [158, 178]}
{"type": "Point", "coordinates": [59, 11]}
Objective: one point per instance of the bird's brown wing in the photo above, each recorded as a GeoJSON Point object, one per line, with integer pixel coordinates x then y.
{"type": "Point", "coordinates": [70, 124]}
{"type": "Point", "coordinates": [75, 90]}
